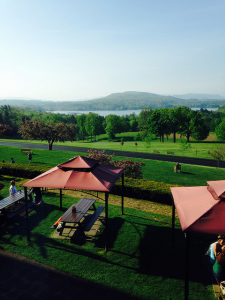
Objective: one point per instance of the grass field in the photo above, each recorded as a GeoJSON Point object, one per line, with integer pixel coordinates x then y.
{"type": "Point", "coordinates": [140, 262]}
{"type": "Point", "coordinates": [199, 150]}
{"type": "Point", "coordinates": [154, 170]}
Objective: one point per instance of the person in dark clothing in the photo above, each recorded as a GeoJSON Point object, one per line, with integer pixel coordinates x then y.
{"type": "Point", "coordinates": [37, 195]}
{"type": "Point", "coordinates": [30, 157]}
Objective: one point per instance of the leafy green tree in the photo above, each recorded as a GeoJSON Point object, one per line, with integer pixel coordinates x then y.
{"type": "Point", "coordinates": [175, 118]}
{"type": "Point", "coordinates": [49, 132]}
{"type": "Point", "coordinates": [143, 120]}
{"type": "Point", "coordinates": [191, 124]}
{"type": "Point", "coordinates": [220, 131]}
{"type": "Point", "coordinates": [159, 123]}
{"type": "Point", "coordinates": [218, 154]}
{"type": "Point", "coordinates": [113, 126]}
{"type": "Point", "coordinates": [81, 125]}
{"type": "Point", "coordinates": [200, 130]}
{"type": "Point", "coordinates": [184, 144]}
{"type": "Point", "coordinates": [93, 124]}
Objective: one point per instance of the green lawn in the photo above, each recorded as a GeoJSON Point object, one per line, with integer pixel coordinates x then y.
{"type": "Point", "coordinates": [154, 170]}
{"type": "Point", "coordinates": [199, 150]}
{"type": "Point", "coordinates": [140, 262]}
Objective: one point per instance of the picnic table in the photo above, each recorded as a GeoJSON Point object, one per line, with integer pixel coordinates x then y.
{"type": "Point", "coordinates": [74, 218]}
{"type": "Point", "coordinates": [12, 199]}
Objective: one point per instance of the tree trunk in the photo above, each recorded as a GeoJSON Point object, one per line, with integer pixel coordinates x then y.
{"type": "Point", "coordinates": [50, 145]}
{"type": "Point", "coordinates": [188, 137]}
{"type": "Point", "coordinates": [174, 137]}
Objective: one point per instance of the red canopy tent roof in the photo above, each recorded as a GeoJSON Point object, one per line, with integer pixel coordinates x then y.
{"type": "Point", "coordinates": [201, 209]}
{"type": "Point", "coordinates": [78, 173]}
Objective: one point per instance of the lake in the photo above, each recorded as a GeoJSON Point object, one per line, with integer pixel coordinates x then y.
{"type": "Point", "coordinates": [105, 113]}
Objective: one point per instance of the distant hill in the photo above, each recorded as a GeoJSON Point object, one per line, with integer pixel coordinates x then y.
{"type": "Point", "coordinates": [116, 101]}
{"type": "Point", "coordinates": [200, 97]}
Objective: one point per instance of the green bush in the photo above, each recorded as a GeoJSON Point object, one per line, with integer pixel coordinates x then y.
{"type": "Point", "coordinates": [22, 170]}
{"type": "Point", "coordinates": [143, 189]}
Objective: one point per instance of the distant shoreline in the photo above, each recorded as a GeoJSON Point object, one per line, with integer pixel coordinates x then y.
{"type": "Point", "coordinates": [105, 113]}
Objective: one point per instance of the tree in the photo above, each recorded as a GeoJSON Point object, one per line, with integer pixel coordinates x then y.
{"type": "Point", "coordinates": [143, 120]}
{"type": "Point", "coordinates": [81, 124]}
{"type": "Point", "coordinates": [175, 118]}
{"type": "Point", "coordinates": [200, 130]}
{"type": "Point", "coordinates": [49, 132]}
{"type": "Point", "coordinates": [220, 131]}
{"type": "Point", "coordinates": [93, 124]}
{"type": "Point", "coordinates": [159, 123]}
{"type": "Point", "coordinates": [113, 126]}
{"type": "Point", "coordinates": [218, 153]}
{"type": "Point", "coordinates": [5, 130]}
{"type": "Point", "coordinates": [184, 144]}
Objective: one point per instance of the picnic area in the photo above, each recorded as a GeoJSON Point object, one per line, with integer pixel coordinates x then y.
{"type": "Point", "coordinates": [139, 263]}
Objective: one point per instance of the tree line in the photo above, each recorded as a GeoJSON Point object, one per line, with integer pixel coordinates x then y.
{"type": "Point", "coordinates": [28, 124]}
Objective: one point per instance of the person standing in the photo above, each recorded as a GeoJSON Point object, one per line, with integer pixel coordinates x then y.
{"type": "Point", "coordinates": [37, 195]}
{"type": "Point", "coordinates": [12, 189]}
{"type": "Point", "coordinates": [12, 160]}
{"type": "Point", "coordinates": [29, 157]}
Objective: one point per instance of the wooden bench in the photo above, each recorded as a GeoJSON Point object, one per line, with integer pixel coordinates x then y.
{"type": "Point", "coordinates": [93, 218]}
{"type": "Point", "coordinates": [170, 152]}
{"type": "Point", "coordinates": [154, 151]}
{"type": "Point", "coordinates": [26, 150]}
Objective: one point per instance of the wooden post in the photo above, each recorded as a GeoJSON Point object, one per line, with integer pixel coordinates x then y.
{"type": "Point", "coordinates": [28, 231]}
{"type": "Point", "coordinates": [106, 221]}
{"type": "Point", "coordinates": [173, 222]}
{"type": "Point", "coordinates": [122, 204]}
{"type": "Point", "coordinates": [60, 198]}
{"type": "Point", "coordinates": [186, 267]}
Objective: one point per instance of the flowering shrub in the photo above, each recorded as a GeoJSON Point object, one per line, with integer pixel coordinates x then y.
{"type": "Point", "coordinates": [132, 169]}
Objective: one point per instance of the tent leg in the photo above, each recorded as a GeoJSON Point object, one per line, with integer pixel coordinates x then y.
{"type": "Point", "coordinates": [173, 223]}
{"type": "Point", "coordinates": [186, 267]}
{"type": "Point", "coordinates": [106, 220]}
{"type": "Point", "coordinates": [122, 199]}
{"type": "Point", "coordinates": [28, 231]}
{"type": "Point", "coordinates": [60, 198]}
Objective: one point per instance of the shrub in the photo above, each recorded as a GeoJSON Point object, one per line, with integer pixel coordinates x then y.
{"type": "Point", "coordinates": [132, 169]}
{"type": "Point", "coordinates": [143, 189]}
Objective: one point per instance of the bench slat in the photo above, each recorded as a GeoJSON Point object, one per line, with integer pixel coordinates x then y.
{"type": "Point", "coordinates": [93, 218]}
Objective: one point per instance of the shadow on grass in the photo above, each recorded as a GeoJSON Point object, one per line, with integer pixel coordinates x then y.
{"type": "Point", "coordinates": [188, 173]}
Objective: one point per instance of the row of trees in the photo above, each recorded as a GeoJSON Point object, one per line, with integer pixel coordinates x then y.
{"type": "Point", "coordinates": [158, 122]}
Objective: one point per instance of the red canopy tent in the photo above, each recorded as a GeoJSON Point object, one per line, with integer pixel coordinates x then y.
{"type": "Point", "coordinates": [200, 209]}
{"type": "Point", "coordinates": [80, 173]}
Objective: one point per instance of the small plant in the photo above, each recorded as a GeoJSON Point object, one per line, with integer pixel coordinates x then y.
{"type": "Point", "coordinates": [218, 153]}
{"type": "Point", "coordinates": [121, 143]}
{"type": "Point", "coordinates": [136, 145]}
{"type": "Point", "coordinates": [184, 144]}
{"type": "Point", "coordinates": [148, 140]}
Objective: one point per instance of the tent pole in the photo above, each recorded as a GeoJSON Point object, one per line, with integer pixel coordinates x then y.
{"type": "Point", "coordinates": [122, 204]}
{"type": "Point", "coordinates": [173, 222]}
{"type": "Point", "coordinates": [60, 198]}
{"type": "Point", "coordinates": [186, 266]}
{"type": "Point", "coordinates": [106, 220]}
{"type": "Point", "coordinates": [28, 231]}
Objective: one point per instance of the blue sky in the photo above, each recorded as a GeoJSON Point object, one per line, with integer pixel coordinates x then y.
{"type": "Point", "coordinates": [71, 50]}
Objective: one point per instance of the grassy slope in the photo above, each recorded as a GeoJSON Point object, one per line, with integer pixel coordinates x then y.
{"type": "Point", "coordinates": [150, 269]}
{"type": "Point", "coordinates": [153, 170]}
{"type": "Point", "coordinates": [129, 145]}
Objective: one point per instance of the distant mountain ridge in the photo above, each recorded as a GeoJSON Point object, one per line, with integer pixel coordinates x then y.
{"type": "Point", "coordinates": [117, 101]}
{"type": "Point", "coordinates": [200, 96]}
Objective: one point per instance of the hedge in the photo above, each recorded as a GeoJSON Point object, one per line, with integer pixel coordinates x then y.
{"type": "Point", "coordinates": [133, 188]}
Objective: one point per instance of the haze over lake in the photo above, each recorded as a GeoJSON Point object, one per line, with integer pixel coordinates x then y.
{"type": "Point", "coordinates": [105, 113]}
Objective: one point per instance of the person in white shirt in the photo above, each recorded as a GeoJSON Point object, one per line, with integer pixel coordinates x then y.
{"type": "Point", "coordinates": [12, 189]}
